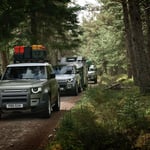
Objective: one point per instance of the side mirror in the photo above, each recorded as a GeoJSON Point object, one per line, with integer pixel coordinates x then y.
{"type": "Point", "coordinates": [52, 75]}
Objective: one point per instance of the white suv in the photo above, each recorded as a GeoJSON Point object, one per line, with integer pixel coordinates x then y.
{"type": "Point", "coordinates": [92, 73]}
{"type": "Point", "coordinates": [68, 78]}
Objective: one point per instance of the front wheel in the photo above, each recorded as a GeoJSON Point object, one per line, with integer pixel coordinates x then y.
{"type": "Point", "coordinates": [57, 103]}
{"type": "Point", "coordinates": [48, 111]}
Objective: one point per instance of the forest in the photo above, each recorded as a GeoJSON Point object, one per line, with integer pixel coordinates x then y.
{"type": "Point", "coordinates": [51, 23]}
{"type": "Point", "coordinates": [116, 38]}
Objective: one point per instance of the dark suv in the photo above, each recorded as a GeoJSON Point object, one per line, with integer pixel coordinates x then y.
{"type": "Point", "coordinates": [29, 87]}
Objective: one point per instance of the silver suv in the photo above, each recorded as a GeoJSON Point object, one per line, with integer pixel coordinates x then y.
{"type": "Point", "coordinates": [29, 87]}
{"type": "Point", "coordinates": [80, 63]}
{"type": "Point", "coordinates": [92, 73]}
{"type": "Point", "coordinates": [68, 78]}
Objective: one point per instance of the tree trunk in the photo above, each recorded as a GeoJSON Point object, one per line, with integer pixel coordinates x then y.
{"type": "Point", "coordinates": [128, 34]}
{"type": "Point", "coordinates": [4, 60]}
{"type": "Point", "coordinates": [33, 28]}
{"type": "Point", "coordinates": [142, 64]}
{"type": "Point", "coordinates": [147, 14]}
{"type": "Point", "coordinates": [33, 18]}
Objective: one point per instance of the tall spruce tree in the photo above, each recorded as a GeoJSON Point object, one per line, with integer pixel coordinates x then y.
{"type": "Point", "coordinates": [50, 22]}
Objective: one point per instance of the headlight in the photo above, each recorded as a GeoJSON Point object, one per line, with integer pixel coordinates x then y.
{"type": "Point", "coordinates": [70, 80]}
{"type": "Point", "coordinates": [36, 90]}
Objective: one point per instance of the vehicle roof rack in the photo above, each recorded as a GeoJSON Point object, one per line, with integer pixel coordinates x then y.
{"type": "Point", "coordinates": [34, 53]}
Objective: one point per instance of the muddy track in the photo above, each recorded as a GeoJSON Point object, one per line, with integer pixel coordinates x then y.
{"type": "Point", "coordinates": [30, 132]}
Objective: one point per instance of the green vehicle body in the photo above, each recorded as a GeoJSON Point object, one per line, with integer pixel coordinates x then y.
{"type": "Point", "coordinates": [29, 87]}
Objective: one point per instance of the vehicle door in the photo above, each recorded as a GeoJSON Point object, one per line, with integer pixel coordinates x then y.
{"type": "Point", "coordinates": [77, 75]}
{"type": "Point", "coordinates": [52, 83]}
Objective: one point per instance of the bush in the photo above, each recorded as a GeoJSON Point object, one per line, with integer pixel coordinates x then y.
{"type": "Point", "coordinates": [106, 120]}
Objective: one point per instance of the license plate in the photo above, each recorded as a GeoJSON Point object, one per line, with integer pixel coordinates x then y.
{"type": "Point", "coordinates": [14, 106]}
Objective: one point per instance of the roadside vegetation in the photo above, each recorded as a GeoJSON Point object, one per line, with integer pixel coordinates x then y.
{"type": "Point", "coordinates": [106, 118]}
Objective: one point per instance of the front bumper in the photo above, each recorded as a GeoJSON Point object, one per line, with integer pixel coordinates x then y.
{"type": "Point", "coordinates": [21, 100]}
{"type": "Point", "coordinates": [66, 87]}
{"type": "Point", "coordinates": [92, 77]}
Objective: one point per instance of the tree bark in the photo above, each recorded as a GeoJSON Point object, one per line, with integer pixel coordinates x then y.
{"type": "Point", "coordinates": [142, 64]}
{"type": "Point", "coordinates": [147, 14]}
{"type": "Point", "coordinates": [33, 18]}
{"type": "Point", "coordinates": [128, 37]}
{"type": "Point", "coordinates": [33, 28]}
{"type": "Point", "coordinates": [4, 60]}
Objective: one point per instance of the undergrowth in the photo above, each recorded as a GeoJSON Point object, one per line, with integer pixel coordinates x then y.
{"type": "Point", "coordinates": [106, 119]}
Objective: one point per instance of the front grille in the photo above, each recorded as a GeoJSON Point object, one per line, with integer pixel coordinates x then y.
{"type": "Point", "coordinates": [14, 96]}
{"type": "Point", "coordinates": [62, 84]}
{"type": "Point", "coordinates": [62, 81]}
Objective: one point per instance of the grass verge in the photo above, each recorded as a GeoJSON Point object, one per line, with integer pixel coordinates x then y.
{"type": "Point", "coordinates": [106, 119]}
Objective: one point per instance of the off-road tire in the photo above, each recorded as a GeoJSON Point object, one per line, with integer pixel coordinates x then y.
{"type": "Point", "coordinates": [95, 80]}
{"type": "Point", "coordinates": [80, 88]}
{"type": "Point", "coordinates": [57, 103]}
{"type": "Point", "coordinates": [75, 92]}
{"type": "Point", "coordinates": [48, 111]}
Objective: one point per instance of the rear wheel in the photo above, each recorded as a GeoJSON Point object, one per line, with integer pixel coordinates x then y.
{"type": "Point", "coordinates": [95, 80]}
{"type": "Point", "coordinates": [85, 86]}
{"type": "Point", "coordinates": [76, 90]}
{"type": "Point", "coordinates": [80, 88]}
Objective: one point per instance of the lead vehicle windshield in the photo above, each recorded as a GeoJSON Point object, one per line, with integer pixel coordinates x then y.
{"type": "Point", "coordinates": [25, 72]}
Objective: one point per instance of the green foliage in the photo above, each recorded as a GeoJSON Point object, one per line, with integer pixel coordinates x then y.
{"type": "Point", "coordinates": [68, 139]}
{"type": "Point", "coordinates": [103, 39]}
{"type": "Point", "coordinates": [11, 14]}
{"type": "Point", "coordinates": [132, 114]}
{"type": "Point", "coordinates": [106, 119]}
{"type": "Point", "coordinates": [79, 130]}
{"type": "Point", "coordinates": [51, 22]}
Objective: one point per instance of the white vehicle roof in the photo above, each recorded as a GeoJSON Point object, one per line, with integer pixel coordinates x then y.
{"type": "Point", "coordinates": [28, 64]}
{"type": "Point", "coordinates": [92, 66]}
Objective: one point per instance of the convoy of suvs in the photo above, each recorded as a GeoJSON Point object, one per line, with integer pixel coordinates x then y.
{"type": "Point", "coordinates": [33, 85]}
{"type": "Point", "coordinates": [77, 80]}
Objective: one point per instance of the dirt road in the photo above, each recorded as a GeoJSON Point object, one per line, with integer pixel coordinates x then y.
{"type": "Point", "coordinates": [29, 132]}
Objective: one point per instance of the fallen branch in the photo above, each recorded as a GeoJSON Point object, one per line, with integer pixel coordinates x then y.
{"type": "Point", "coordinates": [115, 86]}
